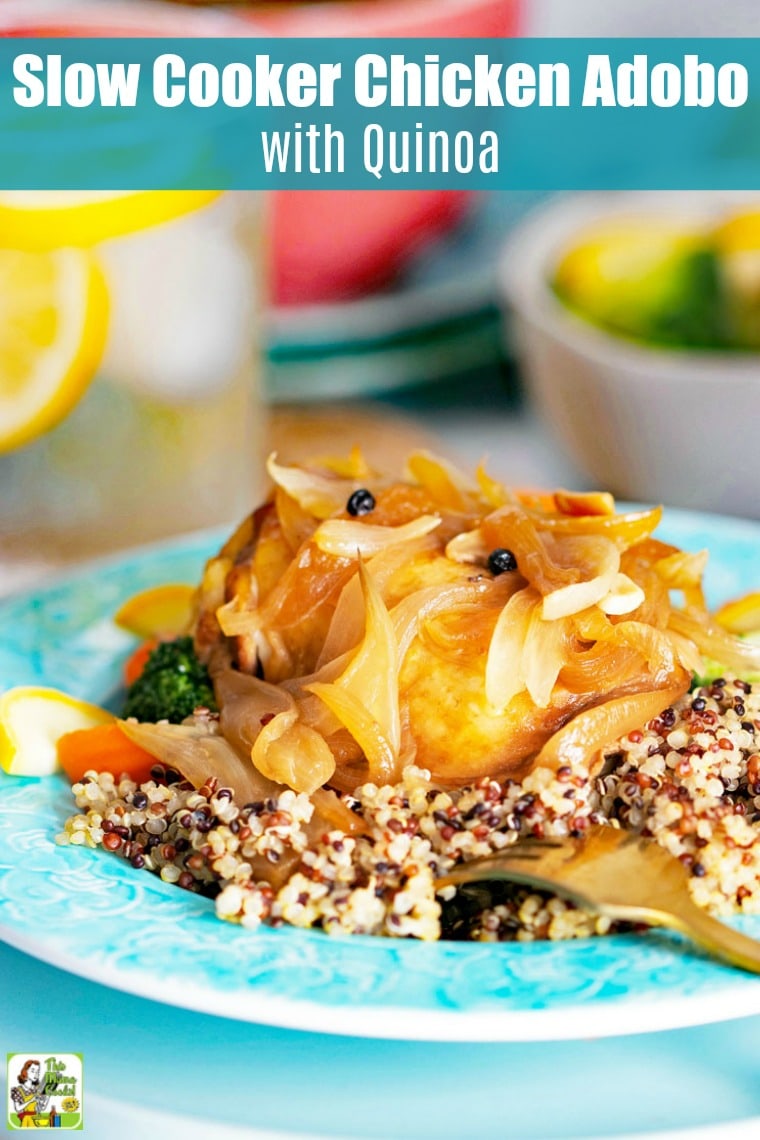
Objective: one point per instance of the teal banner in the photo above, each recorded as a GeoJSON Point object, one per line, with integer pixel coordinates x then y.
{"type": "Point", "coordinates": [521, 114]}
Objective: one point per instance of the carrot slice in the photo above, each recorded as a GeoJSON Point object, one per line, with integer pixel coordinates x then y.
{"type": "Point", "coordinates": [136, 662]}
{"type": "Point", "coordinates": [104, 748]}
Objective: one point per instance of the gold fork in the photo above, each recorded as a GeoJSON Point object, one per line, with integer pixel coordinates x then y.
{"type": "Point", "coordinates": [617, 874]}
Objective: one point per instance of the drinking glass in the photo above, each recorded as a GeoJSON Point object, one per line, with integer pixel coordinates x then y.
{"type": "Point", "coordinates": [130, 405]}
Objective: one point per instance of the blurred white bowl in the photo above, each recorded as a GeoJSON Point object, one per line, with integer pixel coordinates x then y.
{"type": "Point", "coordinates": [651, 424]}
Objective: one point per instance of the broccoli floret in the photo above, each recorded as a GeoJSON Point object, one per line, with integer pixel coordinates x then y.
{"type": "Point", "coordinates": [172, 684]}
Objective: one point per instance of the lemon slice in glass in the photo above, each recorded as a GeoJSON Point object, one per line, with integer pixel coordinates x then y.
{"type": "Point", "coordinates": [45, 219]}
{"type": "Point", "coordinates": [32, 721]}
{"type": "Point", "coordinates": [53, 323]}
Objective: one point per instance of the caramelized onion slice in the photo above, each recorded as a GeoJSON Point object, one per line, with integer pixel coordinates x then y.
{"type": "Point", "coordinates": [731, 652]}
{"type": "Point", "coordinates": [448, 487]}
{"type": "Point", "coordinates": [365, 697]}
{"type": "Point", "coordinates": [382, 758]}
{"type": "Point", "coordinates": [296, 524]}
{"type": "Point", "coordinates": [580, 744]}
{"type": "Point", "coordinates": [245, 705]}
{"type": "Point", "coordinates": [349, 620]}
{"type": "Point", "coordinates": [424, 605]}
{"type": "Point", "coordinates": [615, 657]}
{"type": "Point", "coordinates": [687, 653]}
{"type": "Point", "coordinates": [320, 494]}
{"type": "Point", "coordinates": [598, 555]}
{"type": "Point", "coordinates": [683, 570]}
{"type": "Point", "coordinates": [655, 646]}
{"type": "Point", "coordinates": [491, 490]}
{"type": "Point", "coordinates": [464, 632]}
{"type": "Point", "coordinates": [504, 664]}
{"type": "Point", "coordinates": [372, 674]}
{"type": "Point", "coordinates": [623, 529]}
{"type": "Point", "coordinates": [544, 653]}
{"type": "Point", "coordinates": [593, 625]}
{"type": "Point", "coordinates": [198, 753]}
{"type": "Point", "coordinates": [292, 753]}
{"type": "Point", "coordinates": [623, 597]}
{"type": "Point", "coordinates": [604, 668]}
{"type": "Point", "coordinates": [235, 621]}
{"type": "Point", "coordinates": [638, 563]}
{"type": "Point", "coordinates": [352, 466]}
{"type": "Point", "coordinates": [343, 537]}
{"type": "Point", "coordinates": [468, 547]}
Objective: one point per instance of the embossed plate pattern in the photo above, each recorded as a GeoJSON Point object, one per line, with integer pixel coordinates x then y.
{"type": "Point", "coordinates": [91, 914]}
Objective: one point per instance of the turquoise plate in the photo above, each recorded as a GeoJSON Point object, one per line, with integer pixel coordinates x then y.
{"type": "Point", "coordinates": [92, 914]}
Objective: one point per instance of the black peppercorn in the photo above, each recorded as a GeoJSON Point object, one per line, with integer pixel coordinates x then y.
{"type": "Point", "coordinates": [500, 561]}
{"type": "Point", "coordinates": [361, 502]}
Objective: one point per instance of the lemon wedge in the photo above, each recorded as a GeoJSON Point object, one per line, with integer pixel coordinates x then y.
{"type": "Point", "coordinates": [741, 615]}
{"type": "Point", "coordinates": [32, 720]}
{"type": "Point", "coordinates": [623, 266]}
{"type": "Point", "coordinates": [739, 233]}
{"type": "Point", "coordinates": [649, 281]}
{"type": "Point", "coordinates": [161, 611]}
{"type": "Point", "coordinates": [45, 220]}
{"type": "Point", "coordinates": [53, 323]}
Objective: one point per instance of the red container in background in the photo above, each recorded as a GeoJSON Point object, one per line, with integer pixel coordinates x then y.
{"type": "Point", "coordinates": [331, 245]}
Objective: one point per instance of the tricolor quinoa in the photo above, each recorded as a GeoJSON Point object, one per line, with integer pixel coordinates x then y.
{"type": "Point", "coordinates": [690, 778]}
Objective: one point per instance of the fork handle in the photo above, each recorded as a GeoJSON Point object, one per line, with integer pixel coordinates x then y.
{"type": "Point", "coordinates": [716, 937]}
